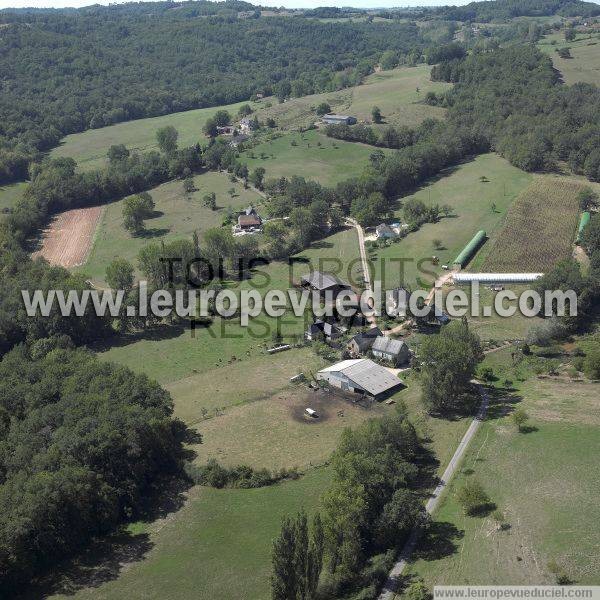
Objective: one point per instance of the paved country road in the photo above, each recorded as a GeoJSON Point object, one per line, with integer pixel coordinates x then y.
{"type": "Point", "coordinates": [388, 591]}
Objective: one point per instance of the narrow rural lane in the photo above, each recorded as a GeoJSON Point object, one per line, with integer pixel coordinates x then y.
{"type": "Point", "coordinates": [388, 591]}
{"type": "Point", "coordinates": [365, 263]}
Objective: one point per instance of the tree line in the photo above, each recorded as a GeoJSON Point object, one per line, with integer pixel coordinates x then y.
{"type": "Point", "coordinates": [365, 516]}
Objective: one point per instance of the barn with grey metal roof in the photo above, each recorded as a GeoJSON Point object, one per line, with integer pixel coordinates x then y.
{"type": "Point", "coordinates": [360, 376]}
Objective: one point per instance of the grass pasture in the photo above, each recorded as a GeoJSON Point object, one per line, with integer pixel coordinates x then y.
{"type": "Point", "coordinates": [471, 200]}
{"type": "Point", "coordinates": [274, 433]}
{"type": "Point", "coordinates": [9, 194]}
{"type": "Point", "coordinates": [540, 227]}
{"type": "Point", "coordinates": [312, 155]}
{"type": "Point", "coordinates": [584, 66]}
{"type": "Point", "coordinates": [178, 215]}
{"type": "Point", "coordinates": [544, 482]}
{"type": "Point", "coordinates": [90, 147]}
{"type": "Point", "coordinates": [394, 91]}
{"type": "Point", "coordinates": [217, 546]}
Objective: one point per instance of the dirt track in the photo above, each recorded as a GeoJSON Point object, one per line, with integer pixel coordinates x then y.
{"type": "Point", "coordinates": [68, 239]}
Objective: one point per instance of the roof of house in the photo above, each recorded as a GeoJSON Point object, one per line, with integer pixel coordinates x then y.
{"type": "Point", "coordinates": [384, 228]}
{"type": "Point", "coordinates": [323, 281]}
{"type": "Point", "coordinates": [250, 210]}
{"type": "Point", "coordinates": [334, 116]}
{"type": "Point", "coordinates": [365, 339]}
{"type": "Point", "coordinates": [388, 345]}
{"type": "Point", "coordinates": [249, 220]}
{"type": "Point", "coordinates": [328, 329]}
{"type": "Point", "coordinates": [367, 374]}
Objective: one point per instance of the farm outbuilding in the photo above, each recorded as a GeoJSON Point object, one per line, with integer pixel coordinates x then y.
{"type": "Point", "coordinates": [332, 119]}
{"type": "Point", "coordinates": [470, 249]}
{"type": "Point", "coordinates": [387, 348]}
{"type": "Point", "coordinates": [585, 219]}
{"type": "Point", "coordinates": [361, 376]}
{"type": "Point", "coordinates": [496, 277]}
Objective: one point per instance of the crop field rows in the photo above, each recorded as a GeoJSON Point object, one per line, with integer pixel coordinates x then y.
{"type": "Point", "coordinates": [540, 227]}
{"type": "Point", "coordinates": [68, 239]}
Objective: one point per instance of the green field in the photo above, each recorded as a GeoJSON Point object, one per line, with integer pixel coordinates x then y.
{"type": "Point", "coordinates": [584, 66]}
{"type": "Point", "coordinates": [394, 91]}
{"type": "Point", "coordinates": [471, 201]}
{"type": "Point", "coordinates": [496, 327]}
{"type": "Point", "coordinates": [90, 147]}
{"type": "Point", "coordinates": [545, 482]}
{"type": "Point", "coordinates": [314, 156]}
{"type": "Point", "coordinates": [178, 215]}
{"type": "Point", "coordinates": [9, 194]}
{"type": "Point", "coordinates": [217, 546]}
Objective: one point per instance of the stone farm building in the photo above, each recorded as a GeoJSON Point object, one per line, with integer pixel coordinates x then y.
{"type": "Point", "coordinates": [362, 342]}
{"type": "Point", "coordinates": [360, 376]}
{"type": "Point", "coordinates": [394, 351]}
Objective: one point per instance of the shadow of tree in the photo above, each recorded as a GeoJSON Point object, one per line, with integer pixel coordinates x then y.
{"type": "Point", "coordinates": [502, 402]}
{"type": "Point", "coordinates": [438, 541]}
{"type": "Point", "coordinates": [158, 333]}
{"type": "Point", "coordinates": [153, 232]}
{"type": "Point", "coordinates": [104, 558]}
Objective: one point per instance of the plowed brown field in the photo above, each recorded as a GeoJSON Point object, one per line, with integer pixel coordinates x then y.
{"type": "Point", "coordinates": [68, 239]}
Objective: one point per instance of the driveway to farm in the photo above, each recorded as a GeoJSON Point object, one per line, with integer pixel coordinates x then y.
{"type": "Point", "coordinates": [367, 277]}
{"type": "Point", "coordinates": [388, 591]}
{"type": "Point", "coordinates": [365, 263]}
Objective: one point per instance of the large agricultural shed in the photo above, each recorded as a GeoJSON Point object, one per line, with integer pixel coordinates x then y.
{"type": "Point", "coordinates": [469, 250]}
{"type": "Point", "coordinates": [496, 277]}
{"type": "Point", "coordinates": [362, 376]}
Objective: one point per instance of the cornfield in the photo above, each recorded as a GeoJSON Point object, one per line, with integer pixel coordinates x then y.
{"type": "Point", "coordinates": [540, 228]}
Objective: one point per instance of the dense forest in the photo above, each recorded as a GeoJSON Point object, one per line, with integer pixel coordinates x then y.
{"type": "Point", "coordinates": [64, 72]}
{"type": "Point", "coordinates": [82, 443]}
{"type": "Point", "coordinates": [503, 10]}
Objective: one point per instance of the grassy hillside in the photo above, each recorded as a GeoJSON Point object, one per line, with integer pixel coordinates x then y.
{"type": "Point", "coordinates": [395, 92]}
{"type": "Point", "coordinates": [544, 482]}
{"type": "Point", "coordinates": [472, 201]}
{"type": "Point", "coordinates": [217, 546]}
{"type": "Point", "coordinates": [584, 66]}
{"type": "Point", "coordinates": [178, 215]}
{"type": "Point", "coordinates": [311, 155]}
{"type": "Point", "coordinates": [90, 147]}
{"type": "Point", "coordinates": [398, 93]}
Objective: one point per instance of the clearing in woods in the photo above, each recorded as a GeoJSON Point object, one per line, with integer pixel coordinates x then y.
{"type": "Point", "coordinates": [584, 66]}
{"type": "Point", "coordinates": [310, 154]}
{"type": "Point", "coordinates": [399, 93]}
{"type": "Point", "coordinates": [90, 147]}
{"type": "Point", "coordinates": [544, 482]}
{"type": "Point", "coordinates": [9, 195]}
{"type": "Point", "coordinates": [67, 240]}
{"type": "Point", "coordinates": [540, 227]}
